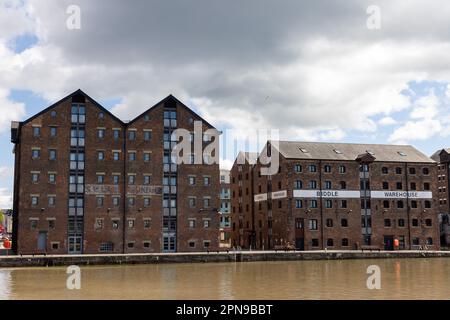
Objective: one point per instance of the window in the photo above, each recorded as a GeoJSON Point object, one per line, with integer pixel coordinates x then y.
{"type": "Point", "coordinates": [147, 223]}
{"type": "Point", "coordinates": [312, 224]}
{"type": "Point", "coordinates": [132, 156]}
{"type": "Point", "coordinates": [191, 202]}
{"type": "Point", "coordinates": [413, 204]}
{"type": "Point", "coordinates": [206, 181]}
{"type": "Point", "coordinates": [131, 180]}
{"type": "Point", "coordinates": [116, 134]}
{"type": "Point", "coordinates": [343, 204]}
{"type": "Point", "coordinates": [55, 245]}
{"type": "Point", "coordinates": [146, 156]}
{"type": "Point", "coordinates": [206, 202]}
{"type": "Point", "coordinates": [426, 171]}
{"type": "Point", "coordinates": [132, 135]}
{"type": "Point", "coordinates": [313, 204]}
{"type": "Point", "coordinates": [146, 202]}
{"type": "Point", "coordinates": [100, 178]}
{"type": "Point", "coordinates": [191, 223]}
{"type": "Point", "coordinates": [297, 184]}
{"type": "Point", "coordinates": [298, 203]}
{"type": "Point", "coordinates": [78, 113]}
{"type": "Point", "coordinates": [385, 204]}
{"type": "Point", "coordinates": [312, 168]}
{"type": "Point", "coordinates": [426, 186]}
{"type": "Point", "coordinates": [116, 201]}
{"type": "Point", "coordinates": [35, 154]}
{"type": "Point", "coordinates": [51, 201]}
{"type": "Point", "coordinates": [398, 170]}
{"type": "Point", "coordinates": [98, 224]}
{"type": "Point", "coordinates": [413, 186]}
{"type": "Point", "coordinates": [116, 179]}
{"type": "Point", "coordinates": [313, 184]}
{"type": "Point", "coordinates": [33, 224]}
{"type": "Point", "coordinates": [206, 223]}
{"type": "Point", "coordinates": [327, 168]}
{"type": "Point", "coordinates": [206, 243]}
{"type": "Point", "coordinates": [131, 201]}
{"type": "Point", "coordinates": [106, 247]}
{"type": "Point", "coordinates": [53, 131]}
{"type": "Point", "coordinates": [329, 223]}
{"type": "Point", "coordinates": [330, 242]}
{"type": "Point", "coordinates": [130, 245]}
{"type": "Point", "coordinates": [298, 168]}
{"type": "Point", "coordinates": [147, 244]}
{"type": "Point", "coordinates": [327, 184]}
{"type": "Point", "coordinates": [384, 170]}
{"type": "Point", "coordinates": [116, 155]}
{"type": "Point", "coordinates": [52, 178]}
{"type": "Point", "coordinates": [147, 179]}
{"type": "Point", "coordinates": [415, 222]}
{"type": "Point", "coordinates": [34, 200]}
{"type": "Point", "coordinates": [412, 170]}
{"type": "Point", "coordinates": [400, 204]}
{"type": "Point", "coordinates": [328, 204]}
{"type": "Point", "coordinates": [100, 155]}
{"type": "Point", "coordinates": [314, 242]}
{"type": "Point", "coordinates": [100, 201]}
{"type": "Point", "coordinates": [428, 222]}
{"type": "Point", "coordinates": [53, 114]}
{"type": "Point", "coordinates": [415, 241]}
{"type": "Point", "coordinates": [52, 154]}
{"type": "Point", "coordinates": [36, 131]}
{"type": "Point", "coordinates": [385, 185]}
{"type": "Point", "coordinates": [35, 177]}
{"type": "Point", "coordinates": [191, 244]}
{"type": "Point", "coordinates": [344, 223]}
{"type": "Point", "coordinates": [115, 224]}
{"type": "Point", "coordinates": [429, 241]}
{"type": "Point", "coordinates": [343, 185]}
{"type": "Point", "coordinates": [401, 222]}
{"type": "Point", "coordinates": [130, 223]}
{"type": "Point", "coordinates": [344, 242]}
{"type": "Point", "coordinates": [101, 115]}
{"type": "Point", "coordinates": [399, 186]}
{"type": "Point", "coordinates": [342, 169]}
{"type": "Point", "coordinates": [101, 133]}
{"type": "Point", "coordinates": [147, 135]}
{"type": "Point", "coordinates": [427, 204]}
{"type": "Point", "coordinates": [387, 223]}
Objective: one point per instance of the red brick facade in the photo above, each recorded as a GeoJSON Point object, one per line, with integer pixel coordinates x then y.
{"type": "Point", "coordinates": [123, 185]}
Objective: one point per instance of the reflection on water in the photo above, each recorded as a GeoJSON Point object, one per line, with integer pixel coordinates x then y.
{"type": "Point", "coordinates": [400, 279]}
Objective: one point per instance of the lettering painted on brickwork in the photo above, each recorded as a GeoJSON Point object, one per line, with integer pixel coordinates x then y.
{"type": "Point", "coordinates": [100, 189]}
{"type": "Point", "coordinates": [144, 190]}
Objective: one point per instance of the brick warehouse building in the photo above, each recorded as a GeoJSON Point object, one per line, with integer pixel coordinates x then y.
{"type": "Point", "coordinates": [336, 196]}
{"type": "Point", "coordinates": [442, 157]}
{"type": "Point", "coordinates": [87, 182]}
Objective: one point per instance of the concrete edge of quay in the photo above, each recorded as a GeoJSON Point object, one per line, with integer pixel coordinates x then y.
{"type": "Point", "coordinates": [204, 257]}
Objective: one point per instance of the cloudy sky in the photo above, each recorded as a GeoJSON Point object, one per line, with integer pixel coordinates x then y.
{"type": "Point", "coordinates": [312, 69]}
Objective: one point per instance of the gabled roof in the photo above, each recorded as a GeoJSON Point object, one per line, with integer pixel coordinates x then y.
{"type": "Point", "coordinates": [349, 151]}
{"type": "Point", "coordinates": [77, 92]}
{"type": "Point", "coordinates": [247, 157]}
{"type": "Point", "coordinates": [171, 98]}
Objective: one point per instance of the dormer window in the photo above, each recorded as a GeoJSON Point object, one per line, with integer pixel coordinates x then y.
{"type": "Point", "coordinates": [303, 150]}
{"type": "Point", "coordinates": [337, 151]}
{"type": "Point", "coordinates": [402, 153]}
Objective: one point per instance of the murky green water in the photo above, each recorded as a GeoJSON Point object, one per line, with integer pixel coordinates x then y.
{"type": "Point", "coordinates": [400, 279]}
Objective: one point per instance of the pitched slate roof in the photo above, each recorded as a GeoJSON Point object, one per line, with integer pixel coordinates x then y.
{"type": "Point", "coordinates": [349, 151]}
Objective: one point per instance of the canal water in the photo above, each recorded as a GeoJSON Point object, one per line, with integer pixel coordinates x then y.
{"type": "Point", "coordinates": [337, 279]}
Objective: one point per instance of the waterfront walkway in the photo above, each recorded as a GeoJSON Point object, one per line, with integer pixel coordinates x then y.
{"type": "Point", "coordinates": [204, 257]}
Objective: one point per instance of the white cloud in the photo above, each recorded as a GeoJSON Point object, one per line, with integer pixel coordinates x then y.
{"type": "Point", "coordinates": [6, 199]}
{"type": "Point", "coordinates": [387, 121]}
{"type": "Point", "coordinates": [426, 106]}
{"type": "Point", "coordinates": [416, 130]}
{"type": "Point", "coordinates": [11, 111]}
